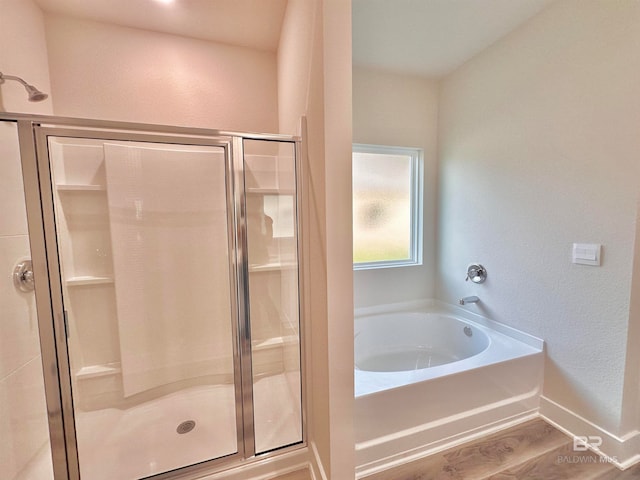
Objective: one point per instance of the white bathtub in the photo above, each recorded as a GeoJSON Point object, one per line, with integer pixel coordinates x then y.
{"type": "Point", "coordinates": [428, 376]}
{"type": "Point", "coordinates": [410, 341]}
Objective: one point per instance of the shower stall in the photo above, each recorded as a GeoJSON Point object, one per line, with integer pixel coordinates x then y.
{"type": "Point", "coordinates": [166, 264]}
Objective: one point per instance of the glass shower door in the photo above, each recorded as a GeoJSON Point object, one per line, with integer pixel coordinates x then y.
{"type": "Point", "coordinates": [145, 249]}
{"type": "Point", "coordinates": [274, 309]}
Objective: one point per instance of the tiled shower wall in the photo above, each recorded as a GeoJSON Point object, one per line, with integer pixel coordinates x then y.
{"type": "Point", "coordinates": [23, 419]}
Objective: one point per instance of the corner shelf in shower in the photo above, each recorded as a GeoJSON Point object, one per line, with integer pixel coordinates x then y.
{"type": "Point", "coordinates": [88, 280]}
{"type": "Point", "coordinates": [94, 371]}
{"type": "Point", "coordinates": [272, 267]}
{"type": "Point", "coordinates": [274, 342]}
{"type": "Point", "coordinates": [270, 191]}
{"type": "Point", "coordinates": [62, 187]}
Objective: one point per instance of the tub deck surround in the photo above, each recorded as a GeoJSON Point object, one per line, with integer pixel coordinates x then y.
{"type": "Point", "coordinates": [402, 416]}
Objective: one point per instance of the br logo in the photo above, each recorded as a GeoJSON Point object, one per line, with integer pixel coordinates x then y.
{"type": "Point", "coordinates": [582, 444]}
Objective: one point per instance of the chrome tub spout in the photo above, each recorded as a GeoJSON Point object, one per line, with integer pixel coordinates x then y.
{"type": "Point", "coordinates": [465, 300]}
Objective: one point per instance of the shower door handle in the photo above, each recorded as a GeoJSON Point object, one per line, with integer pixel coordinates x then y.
{"type": "Point", "coordinates": [65, 322]}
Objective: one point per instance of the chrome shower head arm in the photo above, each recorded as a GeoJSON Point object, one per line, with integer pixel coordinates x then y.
{"type": "Point", "coordinates": [35, 95]}
{"type": "Point", "coordinates": [4, 77]}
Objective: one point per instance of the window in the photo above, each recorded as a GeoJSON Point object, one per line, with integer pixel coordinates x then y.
{"type": "Point", "coordinates": [387, 206]}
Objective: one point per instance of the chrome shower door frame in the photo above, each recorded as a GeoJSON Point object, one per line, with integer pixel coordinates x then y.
{"type": "Point", "coordinates": [33, 132]}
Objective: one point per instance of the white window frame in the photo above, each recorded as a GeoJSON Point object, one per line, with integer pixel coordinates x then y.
{"type": "Point", "coordinates": [417, 195]}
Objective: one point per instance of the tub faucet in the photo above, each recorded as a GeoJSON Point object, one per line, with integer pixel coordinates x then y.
{"type": "Point", "coordinates": [465, 300]}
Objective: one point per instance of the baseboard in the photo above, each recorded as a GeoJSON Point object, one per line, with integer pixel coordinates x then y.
{"type": "Point", "coordinates": [623, 451]}
{"type": "Point", "coordinates": [317, 469]}
{"type": "Point", "coordinates": [425, 450]}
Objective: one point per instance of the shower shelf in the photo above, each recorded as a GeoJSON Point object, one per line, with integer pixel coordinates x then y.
{"type": "Point", "coordinates": [62, 187]}
{"type": "Point", "coordinates": [87, 280]}
{"type": "Point", "coordinates": [272, 267]}
{"type": "Point", "coordinates": [270, 191]}
{"type": "Point", "coordinates": [94, 371]}
{"type": "Point", "coordinates": [274, 342]}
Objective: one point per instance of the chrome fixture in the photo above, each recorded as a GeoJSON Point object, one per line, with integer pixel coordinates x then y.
{"type": "Point", "coordinates": [476, 273]}
{"type": "Point", "coordinates": [467, 331]}
{"type": "Point", "coordinates": [471, 299]}
{"type": "Point", "coordinates": [23, 276]}
{"type": "Point", "coordinates": [35, 95]}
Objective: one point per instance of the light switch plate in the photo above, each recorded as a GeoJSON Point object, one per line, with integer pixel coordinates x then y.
{"type": "Point", "coordinates": [586, 253]}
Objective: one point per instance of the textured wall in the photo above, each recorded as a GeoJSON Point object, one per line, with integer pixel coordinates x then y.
{"type": "Point", "coordinates": [400, 110]}
{"type": "Point", "coordinates": [539, 149]}
{"type": "Point", "coordinates": [118, 73]}
{"type": "Point", "coordinates": [23, 53]}
{"type": "Point", "coordinates": [295, 54]}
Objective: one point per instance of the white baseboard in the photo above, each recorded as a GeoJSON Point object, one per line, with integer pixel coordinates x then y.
{"type": "Point", "coordinates": [622, 451]}
{"type": "Point", "coordinates": [317, 469]}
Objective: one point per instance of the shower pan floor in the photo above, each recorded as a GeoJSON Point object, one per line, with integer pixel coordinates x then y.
{"type": "Point", "coordinates": [142, 440]}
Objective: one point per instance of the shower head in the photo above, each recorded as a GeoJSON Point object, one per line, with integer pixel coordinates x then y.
{"type": "Point", "coordinates": [35, 95]}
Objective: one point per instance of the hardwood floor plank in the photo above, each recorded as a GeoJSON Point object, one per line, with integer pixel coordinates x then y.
{"type": "Point", "coordinates": [505, 450]}
{"type": "Point", "coordinates": [484, 457]}
{"type": "Point", "coordinates": [613, 473]}
{"type": "Point", "coordinates": [533, 450]}
{"type": "Point", "coordinates": [561, 464]}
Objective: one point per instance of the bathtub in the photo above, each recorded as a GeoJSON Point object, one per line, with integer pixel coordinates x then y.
{"type": "Point", "coordinates": [429, 376]}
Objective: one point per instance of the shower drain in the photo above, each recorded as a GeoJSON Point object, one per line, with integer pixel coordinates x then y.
{"type": "Point", "coordinates": [186, 427]}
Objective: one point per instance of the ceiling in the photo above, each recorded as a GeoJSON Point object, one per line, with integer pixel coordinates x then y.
{"type": "Point", "coordinates": [247, 23]}
{"type": "Point", "coordinates": [424, 37]}
{"type": "Point", "coordinates": [432, 37]}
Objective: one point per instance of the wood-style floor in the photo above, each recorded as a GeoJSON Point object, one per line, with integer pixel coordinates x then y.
{"type": "Point", "coordinates": [533, 450]}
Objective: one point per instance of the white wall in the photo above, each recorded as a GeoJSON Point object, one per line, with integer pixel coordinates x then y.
{"type": "Point", "coordinates": [314, 77]}
{"type": "Point", "coordinates": [118, 73]}
{"type": "Point", "coordinates": [400, 110]}
{"type": "Point", "coordinates": [338, 137]}
{"type": "Point", "coordinates": [23, 416]}
{"type": "Point", "coordinates": [539, 149]}
{"type": "Point", "coordinates": [23, 53]}
{"type": "Point", "coordinates": [295, 54]}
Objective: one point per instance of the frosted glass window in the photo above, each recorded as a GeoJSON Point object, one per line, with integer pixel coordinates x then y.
{"type": "Point", "coordinates": [386, 206]}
